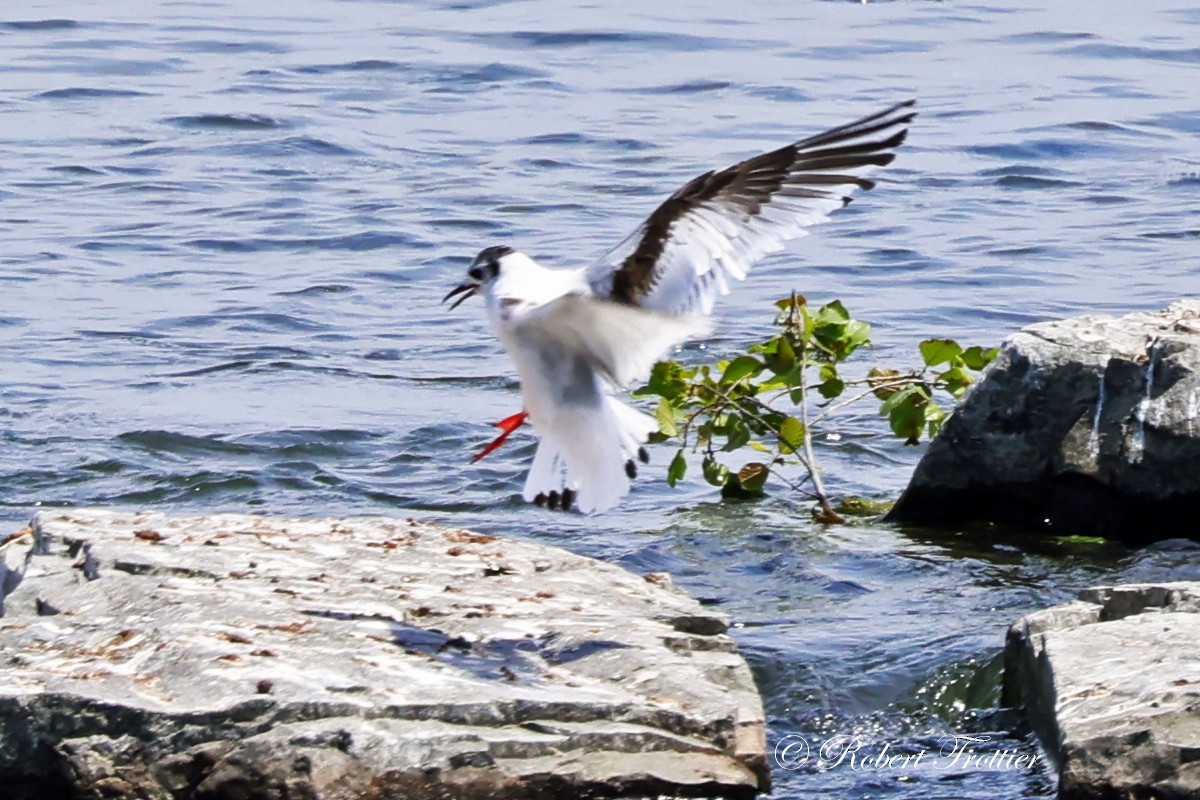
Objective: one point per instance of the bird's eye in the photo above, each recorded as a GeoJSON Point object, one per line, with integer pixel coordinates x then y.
{"type": "Point", "coordinates": [475, 273]}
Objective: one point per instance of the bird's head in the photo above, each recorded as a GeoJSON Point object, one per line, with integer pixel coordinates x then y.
{"type": "Point", "coordinates": [484, 271]}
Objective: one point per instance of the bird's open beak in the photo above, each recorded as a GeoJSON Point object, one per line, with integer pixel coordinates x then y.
{"type": "Point", "coordinates": [465, 289]}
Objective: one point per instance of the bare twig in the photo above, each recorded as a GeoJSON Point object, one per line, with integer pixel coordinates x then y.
{"type": "Point", "coordinates": [814, 471]}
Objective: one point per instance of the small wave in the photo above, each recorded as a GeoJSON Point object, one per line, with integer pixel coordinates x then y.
{"type": "Point", "coordinates": [690, 87]}
{"type": "Point", "coordinates": [783, 93]}
{"type": "Point", "coordinates": [189, 488]}
{"type": "Point", "coordinates": [365, 65]}
{"type": "Point", "coordinates": [76, 169]}
{"type": "Point", "coordinates": [1187, 234]}
{"type": "Point", "coordinates": [41, 25]}
{"type": "Point", "coordinates": [1189, 179]}
{"type": "Point", "coordinates": [1185, 55]}
{"type": "Point", "coordinates": [1033, 182]}
{"type": "Point", "coordinates": [1048, 37]}
{"type": "Point", "coordinates": [1037, 149]}
{"type": "Point", "coordinates": [625, 143]}
{"type": "Point", "coordinates": [292, 145]}
{"type": "Point", "coordinates": [160, 441]}
{"type": "Point", "coordinates": [107, 466]}
{"type": "Point", "coordinates": [227, 122]}
{"type": "Point", "coordinates": [1183, 122]}
{"type": "Point", "coordinates": [87, 93]}
{"type": "Point", "coordinates": [241, 321]}
{"type": "Point", "coordinates": [1018, 169]}
{"type": "Point", "coordinates": [678, 42]}
{"type": "Point", "coordinates": [126, 335]}
{"type": "Point", "coordinates": [474, 224]}
{"type": "Point", "coordinates": [215, 46]}
{"type": "Point", "coordinates": [200, 372]}
{"type": "Point", "coordinates": [318, 289]}
{"type": "Point", "coordinates": [357, 242]}
{"type": "Point", "coordinates": [495, 72]}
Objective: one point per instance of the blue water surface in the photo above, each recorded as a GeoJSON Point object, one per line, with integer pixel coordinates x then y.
{"type": "Point", "coordinates": [225, 229]}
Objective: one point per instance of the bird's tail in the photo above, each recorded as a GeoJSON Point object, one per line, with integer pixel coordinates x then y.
{"type": "Point", "coordinates": [589, 463]}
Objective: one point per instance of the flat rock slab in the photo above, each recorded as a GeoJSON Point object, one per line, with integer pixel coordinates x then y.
{"type": "Point", "coordinates": [236, 656]}
{"type": "Point", "coordinates": [1088, 425]}
{"type": "Point", "coordinates": [1111, 683]}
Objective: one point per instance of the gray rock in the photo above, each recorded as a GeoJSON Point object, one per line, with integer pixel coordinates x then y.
{"type": "Point", "coordinates": [1111, 685]}
{"type": "Point", "coordinates": [1088, 425]}
{"type": "Point", "coordinates": [230, 656]}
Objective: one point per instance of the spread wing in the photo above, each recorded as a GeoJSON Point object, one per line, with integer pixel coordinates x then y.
{"type": "Point", "coordinates": [719, 224]}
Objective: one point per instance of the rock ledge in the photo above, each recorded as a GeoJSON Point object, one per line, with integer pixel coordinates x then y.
{"type": "Point", "coordinates": [235, 656]}
{"type": "Point", "coordinates": [1111, 684]}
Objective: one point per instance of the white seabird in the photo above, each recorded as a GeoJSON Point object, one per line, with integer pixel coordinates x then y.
{"type": "Point", "coordinates": [578, 336]}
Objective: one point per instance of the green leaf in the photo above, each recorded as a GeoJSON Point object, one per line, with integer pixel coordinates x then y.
{"type": "Point", "coordinates": [831, 388]}
{"type": "Point", "coordinates": [715, 472]}
{"type": "Point", "coordinates": [752, 477]}
{"type": "Point", "coordinates": [665, 414]}
{"type": "Point", "coordinates": [741, 367]}
{"type": "Point", "coordinates": [738, 433]}
{"type": "Point", "coordinates": [836, 333]}
{"type": "Point", "coordinates": [939, 351]}
{"type": "Point", "coordinates": [782, 358]}
{"type": "Point", "coordinates": [977, 358]}
{"type": "Point", "coordinates": [833, 312]}
{"type": "Point", "coordinates": [667, 379]}
{"type": "Point", "coordinates": [895, 399]}
{"type": "Point", "coordinates": [957, 380]}
{"type": "Point", "coordinates": [857, 334]}
{"type": "Point", "coordinates": [791, 435]}
{"type": "Point", "coordinates": [677, 469]}
{"type": "Point", "coordinates": [905, 411]}
{"type": "Point", "coordinates": [934, 419]}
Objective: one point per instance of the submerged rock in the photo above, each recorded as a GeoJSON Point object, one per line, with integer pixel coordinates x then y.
{"type": "Point", "coordinates": [1111, 684]}
{"type": "Point", "coordinates": [1089, 425]}
{"type": "Point", "coordinates": [237, 656]}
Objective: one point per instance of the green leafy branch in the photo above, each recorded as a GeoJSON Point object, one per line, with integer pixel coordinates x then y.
{"type": "Point", "coordinates": [762, 399]}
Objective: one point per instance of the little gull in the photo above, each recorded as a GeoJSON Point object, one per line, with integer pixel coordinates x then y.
{"type": "Point", "coordinates": [578, 336]}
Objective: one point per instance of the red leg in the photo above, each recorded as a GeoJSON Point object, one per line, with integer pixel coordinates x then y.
{"type": "Point", "coordinates": [507, 425]}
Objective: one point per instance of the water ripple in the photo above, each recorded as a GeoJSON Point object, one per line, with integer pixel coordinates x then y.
{"type": "Point", "coordinates": [227, 230]}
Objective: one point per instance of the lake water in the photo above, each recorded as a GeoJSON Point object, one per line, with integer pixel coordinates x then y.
{"type": "Point", "coordinates": [225, 229]}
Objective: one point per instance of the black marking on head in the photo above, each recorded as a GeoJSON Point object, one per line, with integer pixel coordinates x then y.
{"type": "Point", "coordinates": [568, 498]}
{"type": "Point", "coordinates": [552, 500]}
{"type": "Point", "coordinates": [540, 500]}
{"type": "Point", "coordinates": [643, 455]}
{"type": "Point", "coordinates": [494, 253]}
{"type": "Point", "coordinates": [630, 469]}
{"type": "Point", "coordinates": [487, 264]}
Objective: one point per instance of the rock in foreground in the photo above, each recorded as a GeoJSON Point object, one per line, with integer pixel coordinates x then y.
{"type": "Point", "coordinates": [1089, 425]}
{"type": "Point", "coordinates": [245, 657]}
{"type": "Point", "coordinates": [1111, 684]}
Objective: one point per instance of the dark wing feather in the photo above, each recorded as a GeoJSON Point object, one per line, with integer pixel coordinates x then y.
{"type": "Point", "coordinates": [718, 224]}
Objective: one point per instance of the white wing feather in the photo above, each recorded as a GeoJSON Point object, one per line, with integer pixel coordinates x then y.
{"type": "Point", "coordinates": [717, 228]}
{"type": "Point", "coordinates": [621, 343]}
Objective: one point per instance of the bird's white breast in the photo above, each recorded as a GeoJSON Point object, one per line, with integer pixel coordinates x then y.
{"type": "Point", "coordinates": [522, 287]}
